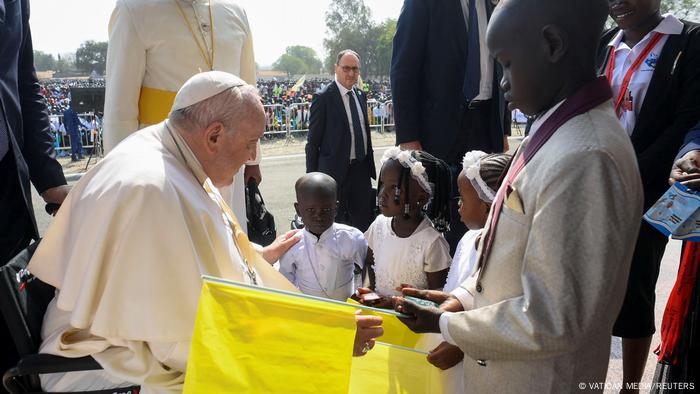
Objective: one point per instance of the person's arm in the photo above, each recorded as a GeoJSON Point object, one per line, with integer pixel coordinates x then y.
{"type": "Point", "coordinates": [38, 151]}
{"type": "Point", "coordinates": [317, 128]}
{"type": "Point", "coordinates": [406, 71]}
{"type": "Point", "coordinates": [686, 167]}
{"type": "Point", "coordinates": [437, 263]}
{"type": "Point", "coordinates": [126, 66]}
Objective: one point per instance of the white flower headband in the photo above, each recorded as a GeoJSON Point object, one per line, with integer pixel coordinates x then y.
{"type": "Point", "coordinates": [472, 170]}
{"type": "Point", "coordinates": [406, 159]}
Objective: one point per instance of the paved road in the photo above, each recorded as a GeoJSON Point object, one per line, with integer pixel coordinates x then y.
{"type": "Point", "coordinates": [277, 188]}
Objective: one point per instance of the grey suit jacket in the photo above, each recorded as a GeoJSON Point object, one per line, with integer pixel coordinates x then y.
{"type": "Point", "coordinates": [556, 276]}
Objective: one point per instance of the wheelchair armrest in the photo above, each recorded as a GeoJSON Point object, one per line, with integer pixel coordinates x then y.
{"type": "Point", "coordinates": [48, 363]}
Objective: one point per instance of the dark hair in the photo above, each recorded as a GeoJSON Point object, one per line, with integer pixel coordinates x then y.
{"type": "Point", "coordinates": [440, 177]}
{"type": "Point", "coordinates": [492, 169]}
{"type": "Point", "coordinates": [345, 52]}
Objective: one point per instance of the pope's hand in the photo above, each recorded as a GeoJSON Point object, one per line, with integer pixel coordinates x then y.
{"type": "Point", "coordinates": [445, 356]}
{"type": "Point", "coordinates": [422, 319]}
{"type": "Point", "coordinates": [687, 170]}
{"type": "Point", "coordinates": [272, 252]}
{"type": "Point", "coordinates": [368, 330]}
{"type": "Point", "coordinates": [447, 302]}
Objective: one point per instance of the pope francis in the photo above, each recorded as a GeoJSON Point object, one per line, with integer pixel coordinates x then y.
{"type": "Point", "coordinates": [129, 245]}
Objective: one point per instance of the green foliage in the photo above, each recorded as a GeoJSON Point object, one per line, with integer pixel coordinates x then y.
{"type": "Point", "coordinates": [297, 60]}
{"type": "Point", "coordinates": [44, 61]}
{"type": "Point", "coordinates": [91, 56]}
{"type": "Point", "coordinates": [349, 26]}
{"type": "Point", "coordinates": [684, 9]}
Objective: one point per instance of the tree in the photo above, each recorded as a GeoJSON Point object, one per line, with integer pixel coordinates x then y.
{"type": "Point", "coordinates": [685, 9]}
{"type": "Point", "coordinates": [91, 56]}
{"type": "Point", "coordinates": [298, 59]}
{"type": "Point", "coordinates": [44, 61]}
{"type": "Point", "coordinates": [290, 64]}
{"type": "Point", "coordinates": [349, 26]}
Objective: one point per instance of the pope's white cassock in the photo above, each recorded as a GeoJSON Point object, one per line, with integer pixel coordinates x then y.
{"type": "Point", "coordinates": [154, 49]}
{"type": "Point", "coordinates": [126, 253]}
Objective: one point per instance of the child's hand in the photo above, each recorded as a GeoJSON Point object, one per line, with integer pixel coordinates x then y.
{"type": "Point", "coordinates": [445, 356]}
{"type": "Point", "coordinates": [367, 297]}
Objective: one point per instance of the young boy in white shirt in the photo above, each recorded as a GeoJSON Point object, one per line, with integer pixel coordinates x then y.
{"type": "Point", "coordinates": [329, 257]}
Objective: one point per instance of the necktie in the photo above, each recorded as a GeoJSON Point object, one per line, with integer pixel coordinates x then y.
{"type": "Point", "coordinates": [4, 136]}
{"type": "Point", "coordinates": [472, 72]}
{"type": "Point", "coordinates": [356, 128]}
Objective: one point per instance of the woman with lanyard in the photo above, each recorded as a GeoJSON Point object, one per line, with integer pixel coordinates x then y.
{"type": "Point", "coordinates": [653, 65]}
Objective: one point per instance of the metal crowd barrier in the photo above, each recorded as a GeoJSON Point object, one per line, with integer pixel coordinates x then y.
{"type": "Point", "coordinates": [293, 119]}
{"type": "Point", "coordinates": [90, 133]}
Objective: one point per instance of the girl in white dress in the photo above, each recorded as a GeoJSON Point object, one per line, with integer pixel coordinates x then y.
{"type": "Point", "coordinates": [477, 183]}
{"type": "Point", "coordinates": [406, 245]}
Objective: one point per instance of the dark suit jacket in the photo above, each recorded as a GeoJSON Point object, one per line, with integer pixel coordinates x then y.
{"type": "Point", "coordinates": [671, 107]}
{"type": "Point", "coordinates": [427, 74]}
{"type": "Point", "coordinates": [328, 142]}
{"type": "Point", "coordinates": [26, 118]}
{"type": "Point", "coordinates": [691, 142]}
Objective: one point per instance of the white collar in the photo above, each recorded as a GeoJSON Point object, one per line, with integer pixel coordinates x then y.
{"type": "Point", "coordinates": [539, 121]}
{"type": "Point", "coordinates": [323, 237]}
{"type": "Point", "coordinates": [669, 25]}
{"type": "Point", "coordinates": [343, 89]}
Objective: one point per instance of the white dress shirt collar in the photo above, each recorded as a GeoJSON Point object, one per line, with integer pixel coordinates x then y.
{"type": "Point", "coordinates": [343, 90]}
{"type": "Point", "coordinates": [668, 25]}
{"type": "Point", "coordinates": [326, 235]}
{"type": "Point", "coordinates": [539, 121]}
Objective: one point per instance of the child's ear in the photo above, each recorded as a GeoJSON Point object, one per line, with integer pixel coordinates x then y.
{"type": "Point", "coordinates": [556, 41]}
{"type": "Point", "coordinates": [296, 208]}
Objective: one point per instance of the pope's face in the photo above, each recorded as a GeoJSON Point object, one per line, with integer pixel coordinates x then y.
{"type": "Point", "coordinates": [239, 145]}
{"type": "Point", "coordinates": [347, 71]}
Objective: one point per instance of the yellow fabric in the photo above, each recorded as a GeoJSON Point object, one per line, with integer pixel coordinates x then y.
{"type": "Point", "coordinates": [154, 105]}
{"type": "Point", "coordinates": [395, 332]}
{"type": "Point", "coordinates": [298, 84]}
{"type": "Point", "coordinates": [250, 340]}
{"type": "Point", "coordinates": [388, 369]}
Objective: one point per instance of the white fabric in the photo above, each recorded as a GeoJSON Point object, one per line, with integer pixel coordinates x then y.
{"type": "Point", "coordinates": [486, 77]}
{"type": "Point", "coordinates": [625, 56]}
{"type": "Point", "coordinates": [324, 266]}
{"type": "Point", "coordinates": [203, 86]}
{"type": "Point", "coordinates": [150, 45]}
{"type": "Point", "coordinates": [471, 165]}
{"type": "Point", "coordinates": [126, 252]}
{"type": "Point", "coordinates": [405, 260]}
{"type": "Point", "coordinates": [361, 111]}
{"type": "Point", "coordinates": [463, 262]}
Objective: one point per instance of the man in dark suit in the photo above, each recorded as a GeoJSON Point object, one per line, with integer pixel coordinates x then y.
{"type": "Point", "coordinates": [26, 145]}
{"type": "Point", "coordinates": [445, 85]}
{"type": "Point", "coordinates": [339, 142]}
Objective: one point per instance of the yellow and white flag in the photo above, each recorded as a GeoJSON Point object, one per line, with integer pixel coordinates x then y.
{"type": "Point", "coordinates": [249, 339]}
{"type": "Point", "coordinates": [298, 84]}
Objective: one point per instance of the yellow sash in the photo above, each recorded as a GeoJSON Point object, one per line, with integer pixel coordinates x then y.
{"type": "Point", "coordinates": [155, 105]}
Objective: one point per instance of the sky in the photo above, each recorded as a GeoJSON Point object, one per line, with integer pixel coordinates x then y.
{"type": "Point", "coordinates": [61, 26]}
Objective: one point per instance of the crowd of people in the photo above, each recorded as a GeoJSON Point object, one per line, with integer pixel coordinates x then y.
{"type": "Point", "coordinates": [518, 268]}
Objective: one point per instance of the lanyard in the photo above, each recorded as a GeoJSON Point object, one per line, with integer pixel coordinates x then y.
{"type": "Point", "coordinates": [207, 55]}
{"type": "Point", "coordinates": [630, 73]}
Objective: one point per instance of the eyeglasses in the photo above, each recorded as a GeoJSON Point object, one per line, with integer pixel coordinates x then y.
{"type": "Point", "coordinates": [348, 69]}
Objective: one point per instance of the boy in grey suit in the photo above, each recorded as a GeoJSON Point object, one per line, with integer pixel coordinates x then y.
{"type": "Point", "coordinates": [555, 255]}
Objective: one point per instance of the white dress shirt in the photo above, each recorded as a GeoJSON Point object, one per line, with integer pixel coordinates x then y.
{"type": "Point", "coordinates": [361, 111]}
{"type": "Point", "coordinates": [325, 266]}
{"type": "Point", "coordinates": [625, 56]}
{"type": "Point", "coordinates": [486, 82]}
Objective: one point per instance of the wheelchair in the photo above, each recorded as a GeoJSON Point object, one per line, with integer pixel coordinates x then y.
{"type": "Point", "coordinates": [23, 302]}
